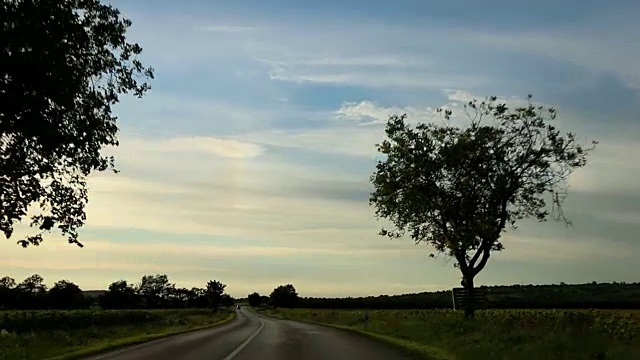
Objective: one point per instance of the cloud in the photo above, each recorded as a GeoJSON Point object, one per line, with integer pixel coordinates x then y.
{"type": "Point", "coordinates": [224, 147]}
{"type": "Point", "coordinates": [355, 141]}
{"type": "Point", "coordinates": [226, 28]}
{"type": "Point", "coordinates": [339, 56]}
{"type": "Point", "coordinates": [248, 206]}
{"type": "Point", "coordinates": [295, 222]}
{"type": "Point", "coordinates": [374, 79]}
{"type": "Point", "coordinates": [610, 51]}
{"type": "Point", "coordinates": [611, 168]}
{"type": "Point", "coordinates": [338, 60]}
{"type": "Point", "coordinates": [369, 112]}
{"type": "Point", "coordinates": [257, 198]}
{"type": "Point", "coordinates": [526, 247]}
{"type": "Point", "coordinates": [246, 267]}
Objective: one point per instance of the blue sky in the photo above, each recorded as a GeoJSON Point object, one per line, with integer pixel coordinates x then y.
{"type": "Point", "coordinates": [248, 162]}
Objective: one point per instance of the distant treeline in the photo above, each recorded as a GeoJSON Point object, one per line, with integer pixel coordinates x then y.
{"type": "Point", "coordinates": [560, 296]}
{"type": "Point", "coordinates": [152, 292]}
{"type": "Point", "coordinates": [157, 292]}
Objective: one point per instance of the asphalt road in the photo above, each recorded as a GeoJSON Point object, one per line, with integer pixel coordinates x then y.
{"type": "Point", "coordinates": [251, 336]}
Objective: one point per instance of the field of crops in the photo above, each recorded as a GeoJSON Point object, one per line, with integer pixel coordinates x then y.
{"type": "Point", "coordinates": [45, 334]}
{"type": "Point", "coordinates": [495, 334]}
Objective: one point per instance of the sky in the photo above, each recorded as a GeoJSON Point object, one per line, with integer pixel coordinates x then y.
{"type": "Point", "coordinates": [249, 160]}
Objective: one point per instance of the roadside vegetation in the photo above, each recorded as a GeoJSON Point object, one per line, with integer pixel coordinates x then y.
{"type": "Point", "coordinates": [495, 334]}
{"type": "Point", "coordinates": [68, 334]}
{"type": "Point", "coordinates": [64, 322]}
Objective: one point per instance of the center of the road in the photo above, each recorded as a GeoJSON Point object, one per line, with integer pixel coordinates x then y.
{"type": "Point", "coordinates": [245, 343]}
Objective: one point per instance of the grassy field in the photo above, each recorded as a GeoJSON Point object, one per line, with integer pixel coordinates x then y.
{"type": "Point", "coordinates": [62, 335]}
{"type": "Point", "coordinates": [496, 334]}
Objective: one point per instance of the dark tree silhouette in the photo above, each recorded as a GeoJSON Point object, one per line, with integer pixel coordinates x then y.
{"type": "Point", "coordinates": [284, 296]}
{"type": "Point", "coordinates": [7, 293]}
{"type": "Point", "coordinates": [34, 284]}
{"type": "Point", "coordinates": [254, 299]}
{"type": "Point", "coordinates": [180, 298]}
{"type": "Point", "coordinates": [214, 293]}
{"type": "Point", "coordinates": [155, 290]}
{"type": "Point", "coordinates": [66, 295]}
{"type": "Point", "coordinates": [198, 298]}
{"type": "Point", "coordinates": [121, 295]}
{"type": "Point", "coordinates": [31, 292]}
{"type": "Point", "coordinates": [64, 65]}
{"type": "Point", "coordinates": [227, 300]}
{"type": "Point", "coordinates": [459, 188]}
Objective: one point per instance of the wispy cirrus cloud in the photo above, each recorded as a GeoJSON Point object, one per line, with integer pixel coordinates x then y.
{"type": "Point", "coordinates": [368, 112]}
{"type": "Point", "coordinates": [375, 78]}
{"type": "Point", "coordinates": [609, 51]}
{"type": "Point", "coordinates": [227, 28]}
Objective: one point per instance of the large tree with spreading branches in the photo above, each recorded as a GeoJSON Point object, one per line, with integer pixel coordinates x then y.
{"type": "Point", "coordinates": [459, 188]}
{"type": "Point", "coordinates": [65, 64]}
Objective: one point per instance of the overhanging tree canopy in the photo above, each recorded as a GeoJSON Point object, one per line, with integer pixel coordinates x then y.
{"type": "Point", "coordinates": [64, 65]}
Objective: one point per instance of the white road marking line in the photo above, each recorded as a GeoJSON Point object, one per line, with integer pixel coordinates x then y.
{"type": "Point", "coordinates": [245, 343]}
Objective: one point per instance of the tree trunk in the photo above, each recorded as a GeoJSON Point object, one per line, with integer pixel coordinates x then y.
{"type": "Point", "coordinates": [470, 308]}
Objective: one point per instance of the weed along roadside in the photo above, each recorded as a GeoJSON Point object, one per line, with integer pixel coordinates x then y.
{"type": "Point", "coordinates": [493, 334]}
{"type": "Point", "coordinates": [72, 334]}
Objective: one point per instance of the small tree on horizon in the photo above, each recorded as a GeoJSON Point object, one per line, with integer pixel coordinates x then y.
{"type": "Point", "coordinates": [458, 189]}
{"type": "Point", "coordinates": [254, 299]}
{"type": "Point", "coordinates": [214, 292]}
{"type": "Point", "coordinates": [121, 295]}
{"type": "Point", "coordinates": [65, 294]}
{"type": "Point", "coordinates": [155, 290]}
{"type": "Point", "coordinates": [284, 296]}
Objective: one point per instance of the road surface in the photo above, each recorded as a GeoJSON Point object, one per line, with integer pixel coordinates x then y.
{"type": "Point", "coordinates": [251, 336]}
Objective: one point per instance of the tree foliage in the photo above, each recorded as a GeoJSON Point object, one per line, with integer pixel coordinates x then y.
{"type": "Point", "coordinates": [284, 296]}
{"type": "Point", "coordinates": [226, 300]}
{"type": "Point", "coordinates": [29, 294]}
{"type": "Point", "coordinates": [214, 293]}
{"type": "Point", "coordinates": [121, 295]}
{"type": "Point", "coordinates": [152, 292]}
{"type": "Point", "coordinates": [65, 64]}
{"type": "Point", "coordinates": [254, 299]}
{"type": "Point", "coordinates": [155, 289]}
{"type": "Point", "coordinates": [66, 295]}
{"type": "Point", "coordinates": [458, 189]}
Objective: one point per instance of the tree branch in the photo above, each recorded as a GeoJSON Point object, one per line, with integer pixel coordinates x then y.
{"type": "Point", "coordinates": [485, 256]}
{"type": "Point", "coordinates": [478, 253]}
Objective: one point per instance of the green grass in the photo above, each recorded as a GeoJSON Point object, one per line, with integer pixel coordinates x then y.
{"type": "Point", "coordinates": [495, 334]}
{"type": "Point", "coordinates": [65, 335]}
